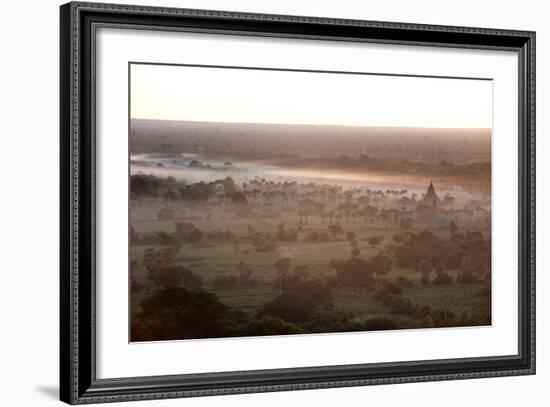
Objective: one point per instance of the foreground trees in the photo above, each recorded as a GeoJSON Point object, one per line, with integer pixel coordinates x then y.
{"type": "Point", "coordinates": [354, 272]}
{"type": "Point", "coordinates": [299, 305]}
{"type": "Point", "coordinates": [178, 313]}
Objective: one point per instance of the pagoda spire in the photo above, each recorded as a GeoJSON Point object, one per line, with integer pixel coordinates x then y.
{"type": "Point", "coordinates": [431, 197]}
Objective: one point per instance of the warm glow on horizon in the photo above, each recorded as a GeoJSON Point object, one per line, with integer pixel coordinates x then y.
{"type": "Point", "coordinates": [164, 92]}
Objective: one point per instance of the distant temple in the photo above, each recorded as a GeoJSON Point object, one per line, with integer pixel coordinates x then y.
{"type": "Point", "coordinates": [431, 198]}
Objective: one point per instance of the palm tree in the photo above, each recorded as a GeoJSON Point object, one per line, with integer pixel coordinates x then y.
{"type": "Point", "coordinates": [282, 265]}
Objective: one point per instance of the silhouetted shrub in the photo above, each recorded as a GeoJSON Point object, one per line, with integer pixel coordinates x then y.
{"type": "Point", "coordinates": [335, 230]}
{"type": "Point", "coordinates": [194, 236]}
{"type": "Point", "coordinates": [288, 306]}
{"type": "Point", "coordinates": [290, 236]}
{"type": "Point", "coordinates": [402, 305]}
{"type": "Point", "coordinates": [375, 240]}
{"type": "Point", "coordinates": [409, 257]}
{"type": "Point", "coordinates": [389, 287]}
{"type": "Point", "coordinates": [425, 278]}
{"type": "Point", "coordinates": [170, 239]}
{"type": "Point", "coordinates": [427, 322]}
{"type": "Point", "coordinates": [379, 324]}
{"type": "Point", "coordinates": [330, 321]}
{"type": "Point", "coordinates": [316, 293]}
{"type": "Point", "coordinates": [466, 319]}
{"type": "Point", "coordinates": [387, 300]}
{"type": "Point", "coordinates": [354, 272]}
{"type": "Point", "coordinates": [400, 237]}
{"type": "Point", "coordinates": [171, 276]}
{"type": "Point", "coordinates": [442, 318]}
{"type": "Point", "coordinates": [453, 260]}
{"type": "Point", "coordinates": [268, 325]}
{"type": "Point", "coordinates": [191, 280]}
{"type": "Point", "coordinates": [289, 281]}
{"type": "Point", "coordinates": [423, 311]}
{"type": "Point", "coordinates": [404, 281]}
{"type": "Point", "coordinates": [144, 185]}
{"type": "Point", "coordinates": [466, 277]}
{"type": "Point", "coordinates": [443, 279]}
{"type": "Point", "coordinates": [296, 306]}
{"type": "Point", "coordinates": [178, 313]}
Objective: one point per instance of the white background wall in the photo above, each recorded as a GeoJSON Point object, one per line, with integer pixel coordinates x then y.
{"type": "Point", "coordinates": [29, 163]}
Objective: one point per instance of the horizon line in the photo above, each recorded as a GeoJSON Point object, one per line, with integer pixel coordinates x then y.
{"type": "Point", "coordinates": [312, 124]}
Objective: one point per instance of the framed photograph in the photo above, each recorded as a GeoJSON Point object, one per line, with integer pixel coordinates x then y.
{"type": "Point", "coordinates": [255, 203]}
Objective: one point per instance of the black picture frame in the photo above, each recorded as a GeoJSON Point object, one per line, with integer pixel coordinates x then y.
{"type": "Point", "coordinates": [78, 382]}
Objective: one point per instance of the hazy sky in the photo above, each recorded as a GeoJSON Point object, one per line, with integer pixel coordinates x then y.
{"type": "Point", "coordinates": [257, 96]}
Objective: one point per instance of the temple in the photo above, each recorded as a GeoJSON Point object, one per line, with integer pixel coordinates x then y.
{"type": "Point", "coordinates": [431, 199]}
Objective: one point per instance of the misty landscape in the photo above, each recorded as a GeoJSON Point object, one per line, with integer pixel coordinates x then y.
{"type": "Point", "coordinates": [250, 229]}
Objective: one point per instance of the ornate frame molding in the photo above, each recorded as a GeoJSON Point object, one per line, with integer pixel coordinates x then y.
{"type": "Point", "coordinates": [77, 249]}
